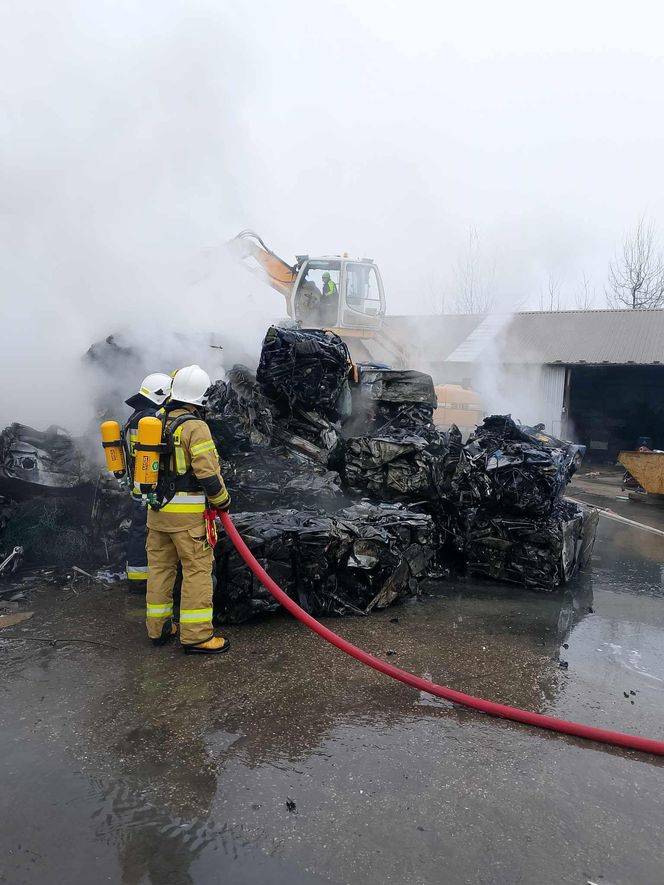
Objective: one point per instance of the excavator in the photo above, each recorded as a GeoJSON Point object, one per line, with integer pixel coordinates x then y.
{"type": "Point", "coordinates": [353, 305]}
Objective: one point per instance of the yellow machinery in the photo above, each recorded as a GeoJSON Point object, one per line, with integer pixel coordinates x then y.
{"type": "Point", "coordinates": [647, 468]}
{"type": "Point", "coordinates": [356, 309]}
{"type": "Point", "coordinates": [458, 405]}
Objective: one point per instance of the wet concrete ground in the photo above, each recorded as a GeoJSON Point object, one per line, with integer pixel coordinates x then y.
{"type": "Point", "coordinates": [126, 763]}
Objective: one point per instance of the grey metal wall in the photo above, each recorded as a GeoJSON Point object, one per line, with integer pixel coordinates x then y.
{"type": "Point", "coordinates": [552, 389]}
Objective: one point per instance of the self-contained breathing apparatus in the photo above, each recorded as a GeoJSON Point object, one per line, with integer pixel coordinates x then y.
{"type": "Point", "coordinates": [160, 470]}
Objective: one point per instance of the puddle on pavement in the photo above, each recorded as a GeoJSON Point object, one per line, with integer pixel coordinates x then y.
{"type": "Point", "coordinates": [159, 768]}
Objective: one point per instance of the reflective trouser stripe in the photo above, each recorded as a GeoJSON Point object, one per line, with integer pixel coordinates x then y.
{"type": "Point", "coordinates": [195, 615]}
{"type": "Point", "coordinates": [137, 572]}
{"type": "Point", "coordinates": [159, 611]}
{"type": "Point", "coordinates": [207, 446]}
{"type": "Point", "coordinates": [185, 503]}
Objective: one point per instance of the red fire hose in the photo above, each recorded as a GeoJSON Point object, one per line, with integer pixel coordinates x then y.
{"type": "Point", "coordinates": [589, 732]}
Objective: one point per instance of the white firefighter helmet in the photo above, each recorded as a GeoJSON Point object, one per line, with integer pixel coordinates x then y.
{"type": "Point", "coordinates": [156, 387]}
{"type": "Point", "coordinates": [189, 385]}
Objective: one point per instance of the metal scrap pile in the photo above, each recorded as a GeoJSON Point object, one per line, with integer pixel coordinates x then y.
{"type": "Point", "coordinates": [495, 502]}
{"type": "Point", "coordinates": [391, 399]}
{"type": "Point", "coordinates": [508, 518]}
{"type": "Point", "coordinates": [297, 435]}
{"type": "Point", "coordinates": [393, 451]}
{"type": "Point", "coordinates": [304, 369]}
{"type": "Point", "coordinates": [48, 488]}
{"type": "Point", "coordinates": [358, 559]}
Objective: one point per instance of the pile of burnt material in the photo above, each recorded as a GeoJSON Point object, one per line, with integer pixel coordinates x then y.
{"type": "Point", "coordinates": [362, 558]}
{"type": "Point", "coordinates": [304, 375]}
{"type": "Point", "coordinates": [50, 491]}
{"type": "Point", "coordinates": [268, 476]}
{"type": "Point", "coordinates": [504, 511]}
{"type": "Point", "coordinates": [386, 399]}
{"type": "Point", "coordinates": [537, 552]}
{"type": "Point", "coordinates": [304, 369]}
{"type": "Point", "coordinates": [393, 451]}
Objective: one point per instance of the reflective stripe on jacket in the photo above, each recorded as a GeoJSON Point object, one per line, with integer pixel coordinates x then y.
{"type": "Point", "coordinates": [194, 453]}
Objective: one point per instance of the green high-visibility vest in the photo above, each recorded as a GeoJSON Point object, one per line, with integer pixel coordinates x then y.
{"type": "Point", "coordinates": [330, 288]}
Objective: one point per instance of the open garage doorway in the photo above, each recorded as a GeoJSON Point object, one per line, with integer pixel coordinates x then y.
{"type": "Point", "coordinates": [608, 408]}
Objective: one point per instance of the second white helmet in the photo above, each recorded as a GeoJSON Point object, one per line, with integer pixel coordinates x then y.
{"type": "Point", "coordinates": [156, 387]}
{"type": "Point", "coordinates": [190, 385]}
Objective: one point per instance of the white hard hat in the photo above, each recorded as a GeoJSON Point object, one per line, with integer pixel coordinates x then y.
{"type": "Point", "coordinates": [156, 387]}
{"type": "Point", "coordinates": [189, 385]}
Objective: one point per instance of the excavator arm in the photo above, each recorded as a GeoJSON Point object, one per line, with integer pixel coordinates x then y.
{"type": "Point", "coordinates": [280, 275]}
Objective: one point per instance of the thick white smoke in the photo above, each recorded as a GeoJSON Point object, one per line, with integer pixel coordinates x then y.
{"type": "Point", "coordinates": [137, 137]}
{"type": "Point", "coordinates": [122, 153]}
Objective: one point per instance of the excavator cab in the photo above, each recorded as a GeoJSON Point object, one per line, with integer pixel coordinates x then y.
{"type": "Point", "coordinates": [338, 292]}
{"type": "Point", "coordinates": [332, 292]}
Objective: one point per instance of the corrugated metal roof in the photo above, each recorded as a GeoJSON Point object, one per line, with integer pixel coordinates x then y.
{"type": "Point", "coordinates": [600, 337]}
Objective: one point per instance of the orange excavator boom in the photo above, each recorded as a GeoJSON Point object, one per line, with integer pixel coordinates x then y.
{"type": "Point", "coordinates": [280, 275]}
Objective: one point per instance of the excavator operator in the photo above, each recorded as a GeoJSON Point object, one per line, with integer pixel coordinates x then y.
{"type": "Point", "coordinates": [330, 300]}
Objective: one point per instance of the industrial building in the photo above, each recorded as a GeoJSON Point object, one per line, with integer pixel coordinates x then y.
{"type": "Point", "coordinates": [595, 376]}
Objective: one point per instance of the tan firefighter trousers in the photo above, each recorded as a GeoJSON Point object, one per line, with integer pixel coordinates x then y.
{"type": "Point", "coordinates": [165, 549]}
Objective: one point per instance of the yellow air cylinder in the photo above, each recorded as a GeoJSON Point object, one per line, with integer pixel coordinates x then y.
{"type": "Point", "coordinates": [111, 440]}
{"type": "Point", "coordinates": [148, 447]}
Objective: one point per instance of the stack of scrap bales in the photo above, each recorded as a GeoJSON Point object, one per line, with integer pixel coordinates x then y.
{"type": "Point", "coordinates": [396, 466]}
{"type": "Point", "coordinates": [238, 415]}
{"type": "Point", "coordinates": [393, 451]}
{"type": "Point", "coordinates": [304, 369]}
{"type": "Point", "coordinates": [361, 558]}
{"type": "Point", "coordinates": [508, 519]}
{"type": "Point", "coordinates": [392, 399]}
{"type": "Point", "coordinates": [264, 478]}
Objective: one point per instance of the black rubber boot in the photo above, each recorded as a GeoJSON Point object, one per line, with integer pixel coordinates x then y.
{"type": "Point", "coordinates": [168, 631]}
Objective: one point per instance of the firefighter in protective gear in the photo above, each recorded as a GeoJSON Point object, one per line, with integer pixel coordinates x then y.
{"type": "Point", "coordinates": [177, 530]}
{"type": "Point", "coordinates": [153, 392]}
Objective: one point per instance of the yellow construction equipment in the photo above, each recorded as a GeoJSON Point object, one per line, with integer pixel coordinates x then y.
{"type": "Point", "coordinates": [335, 292]}
{"type": "Point", "coordinates": [647, 468]}
{"type": "Point", "coordinates": [458, 405]}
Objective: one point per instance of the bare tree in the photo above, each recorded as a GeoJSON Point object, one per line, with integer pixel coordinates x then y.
{"type": "Point", "coordinates": [550, 296]}
{"type": "Point", "coordinates": [474, 278]}
{"type": "Point", "coordinates": [436, 295]}
{"type": "Point", "coordinates": [636, 277]}
{"type": "Point", "coordinates": [584, 297]}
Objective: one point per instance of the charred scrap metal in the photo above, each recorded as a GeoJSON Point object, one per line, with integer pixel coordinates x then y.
{"type": "Point", "coordinates": [342, 486]}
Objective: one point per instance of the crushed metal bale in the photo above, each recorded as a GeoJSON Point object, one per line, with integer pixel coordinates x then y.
{"type": "Point", "coordinates": [361, 558]}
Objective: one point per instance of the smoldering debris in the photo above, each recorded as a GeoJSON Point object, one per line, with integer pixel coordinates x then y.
{"type": "Point", "coordinates": [541, 553]}
{"type": "Point", "coordinates": [392, 399]}
{"type": "Point", "coordinates": [364, 557]}
{"type": "Point", "coordinates": [46, 460]}
{"type": "Point", "coordinates": [515, 468]}
{"type": "Point", "coordinates": [341, 484]}
{"type": "Point", "coordinates": [504, 511]}
{"type": "Point", "coordinates": [305, 369]}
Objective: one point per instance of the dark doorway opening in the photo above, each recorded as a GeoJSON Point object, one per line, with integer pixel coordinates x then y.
{"type": "Point", "coordinates": [610, 407]}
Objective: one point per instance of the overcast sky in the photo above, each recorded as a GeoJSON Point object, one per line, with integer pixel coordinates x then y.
{"type": "Point", "coordinates": [136, 137]}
